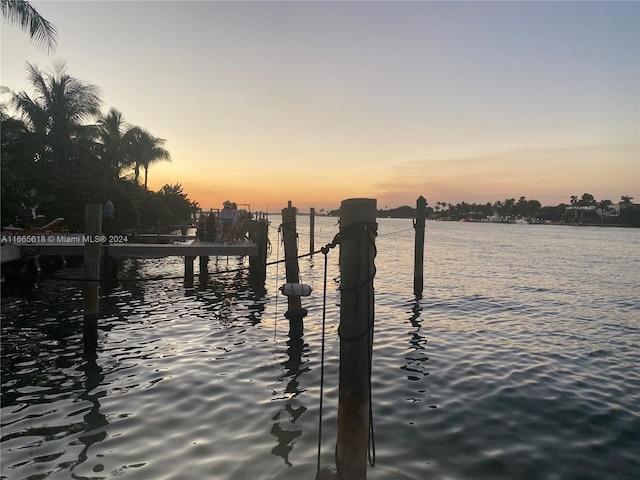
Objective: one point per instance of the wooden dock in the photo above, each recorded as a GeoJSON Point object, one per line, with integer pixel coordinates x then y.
{"type": "Point", "coordinates": [73, 245]}
{"type": "Point", "coordinates": [97, 248]}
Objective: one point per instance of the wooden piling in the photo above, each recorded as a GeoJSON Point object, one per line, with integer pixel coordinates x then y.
{"type": "Point", "coordinates": [258, 234]}
{"type": "Point", "coordinates": [312, 223]}
{"type": "Point", "coordinates": [203, 273]}
{"type": "Point", "coordinates": [188, 270]}
{"type": "Point", "coordinates": [92, 253]}
{"type": "Point", "coordinates": [357, 269]}
{"type": "Point", "coordinates": [418, 266]}
{"type": "Point", "coordinates": [295, 312]}
{"type": "Point", "coordinates": [204, 265]}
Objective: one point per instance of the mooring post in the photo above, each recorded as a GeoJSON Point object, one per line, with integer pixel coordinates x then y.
{"type": "Point", "coordinates": [357, 269]}
{"type": "Point", "coordinates": [92, 253]}
{"type": "Point", "coordinates": [295, 312]}
{"type": "Point", "coordinates": [312, 223]}
{"type": "Point", "coordinates": [258, 234]}
{"type": "Point", "coordinates": [418, 267]}
{"type": "Point", "coordinates": [204, 264]}
{"type": "Point", "coordinates": [203, 273]}
{"type": "Point", "coordinates": [188, 270]}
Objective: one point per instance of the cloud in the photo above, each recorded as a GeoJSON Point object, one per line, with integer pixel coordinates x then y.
{"type": "Point", "coordinates": [552, 174]}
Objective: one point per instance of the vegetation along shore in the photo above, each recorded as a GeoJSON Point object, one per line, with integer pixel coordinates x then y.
{"type": "Point", "coordinates": [60, 152]}
{"type": "Point", "coordinates": [584, 210]}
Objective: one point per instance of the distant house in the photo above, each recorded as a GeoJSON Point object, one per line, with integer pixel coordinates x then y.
{"type": "Point", "coordinates": [620, 206]}
{"type": "Point", "coordinates": [571, 208]}
{"type": "Point", "coordinates": [613, 210]}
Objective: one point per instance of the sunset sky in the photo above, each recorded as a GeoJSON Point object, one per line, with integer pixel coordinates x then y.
{"type": "Point", "coordinates": [315, 102]}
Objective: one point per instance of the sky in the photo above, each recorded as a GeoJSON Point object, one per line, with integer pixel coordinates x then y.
{"type": "Point", "coordinates": [317, 102]}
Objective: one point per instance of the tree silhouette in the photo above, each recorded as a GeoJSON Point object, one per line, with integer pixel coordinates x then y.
{"type": "Point", "coordinates": [42, 32]}
{"type": "Point", "coordinates": [147, 150]}
{"type": "Point", "coordinates": [116, 139]}
{"type": "Point", "coordinates": [56, 111]}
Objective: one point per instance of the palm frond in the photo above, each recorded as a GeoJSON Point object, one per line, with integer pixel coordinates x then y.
{"type": "Point", "coordinates": [42, 32]}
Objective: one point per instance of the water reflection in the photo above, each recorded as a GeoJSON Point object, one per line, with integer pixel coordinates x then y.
{"type": "Point", "coordinates": [96, 422]}
{"type": "Point", "coordinates": [293, 369]}
{"type": "Point", "coordinates": [227, 294]}
{"type": "Point", "coordinates": [415, 360]}
{"type": "Point", "coordinates": [42, 378]}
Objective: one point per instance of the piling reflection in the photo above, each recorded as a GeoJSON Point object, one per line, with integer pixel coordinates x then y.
{"type": "Point", "coordinates": [227, 294]}
{"type": "Point", "coordinates": [96, 422]}
{"type": "Point", "coordinates": [415, 361]}
{"type": "Point", "coordinates": [131, 268]}
{"type": "Point", "coordinates": [293, 369]}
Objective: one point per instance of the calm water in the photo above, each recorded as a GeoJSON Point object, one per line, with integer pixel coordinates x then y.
{"type": "Point", "coordinates": [522, 361]}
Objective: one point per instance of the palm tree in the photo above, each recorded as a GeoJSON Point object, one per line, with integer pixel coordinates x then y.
{"type": "Point", "coordinates": [604, 205]}
{"type": "Point", "coordinates": [625, 200]}
{"type": "Point", "coordinates": [507, 206]}
{"type": "Point", "coordinates": [574, 202]}
{"type": "Point", "coordinates": [147, 150]}
{"type": "Point", "coordinates": [116, 139]}
{"type": "Point", "coordinates": [57, 110]}
{"type": "Point", "coordinates": [42, 32]}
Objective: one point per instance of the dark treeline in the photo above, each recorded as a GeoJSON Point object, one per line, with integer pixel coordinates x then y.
{"type": "Point", "coordinates": [584, 209]}
{"type": "Point", "coordinates": [60, 152]}
{"type": "Point", "coordinates": [580, 210]}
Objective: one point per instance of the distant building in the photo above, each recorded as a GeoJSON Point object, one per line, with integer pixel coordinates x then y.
{"type": "Point", "coordinates": [612, 211]}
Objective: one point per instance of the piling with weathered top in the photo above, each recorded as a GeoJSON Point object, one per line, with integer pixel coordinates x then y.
{"type": "Point", "coordinates": [295, 312]}
{"type": "Point", "coordinates": [92, 253]}
{"type": "Point", "coordinates": [418, 266]}
{"type": "Point", "coordinates": [357, 270]}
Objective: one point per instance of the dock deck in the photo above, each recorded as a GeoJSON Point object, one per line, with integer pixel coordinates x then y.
{"type": "Point", "coordinates": [73, 245]}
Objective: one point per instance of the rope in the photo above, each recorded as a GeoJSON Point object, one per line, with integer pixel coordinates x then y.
{"type": "Point", "coordinates": [355, 229]}
{"type": "Point", "coordinates": [325, 251]}
{"type": "Point", "coordinates": [396, 232]}
{"type": "Point", "coordinates": [150, 279]}
{"type": "Point", "coordinates": [371, 452]}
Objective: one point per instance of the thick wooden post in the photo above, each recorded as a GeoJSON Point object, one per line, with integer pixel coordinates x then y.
{"type": "Point", "coordinates": [312, 223]}
{"type": "Point", "coordinates": [295, 312]}
{"type": "Point", "coordinates": [258, 234]}
{"type": "Point", "coordinates": [418, 266]}
{"type": "Point", "coordinates": [92, 253]}
{"type": "Point", "coordinates": [188, 270]}
{"type": "Point", "coordinates": [204, 265]}
{"type": "Point", "coordinates": [357, 253]}
{"type": "Point", "coordinates": [203, 273]}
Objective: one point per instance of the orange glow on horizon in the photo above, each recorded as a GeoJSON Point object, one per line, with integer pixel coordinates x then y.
{"type": "Point", "coordinates": [548, 175]}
